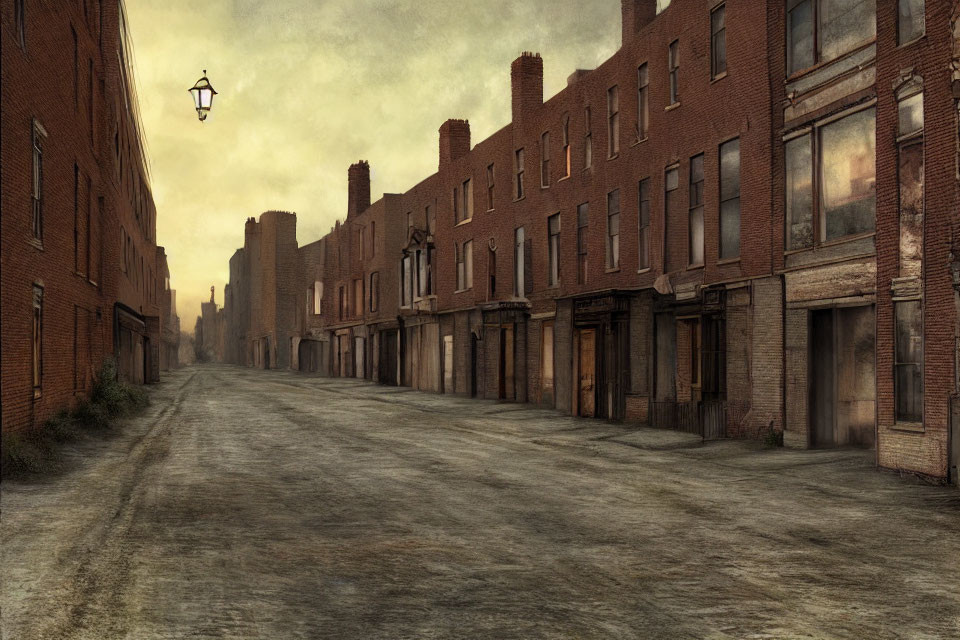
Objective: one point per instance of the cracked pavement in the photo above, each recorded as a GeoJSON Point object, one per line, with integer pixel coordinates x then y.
{"type": "Point", "coordinates": [266, 504]}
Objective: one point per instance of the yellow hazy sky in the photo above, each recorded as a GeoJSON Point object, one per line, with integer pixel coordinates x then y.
{"type": "Point", "coordinates": [306, 87]}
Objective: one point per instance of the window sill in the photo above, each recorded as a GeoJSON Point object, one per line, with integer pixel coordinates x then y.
{"type": "Point", "coordinates": [463, 222]}
{"type": "Point", "coordinates": [544, 186]}
{"type": "Point", "coordinates": [644, 270]}
{"type": "Point", "coordinates": [911, 427]}
{"type": "Point", "coordinates": [562, 178]}
{"type": "Point", "coordinates": [613, 157]}
{"type": "Point", "coordinates": [611, 270]}
{"type": "Point", "coordinates": [463, 290]}
{"type": "Point", "coordinates": [844, 239]}
{"type": "Point", "coordinates": [694, 267]}
{"type": "Point", "coordinates": [922, 36]}
{"type": "Point", "coordinates": [718, 77]}
{"type": "Point", "coordinates": [796, 75]}
{"type": "Point", "coordinates": [726, 261]}
{"type": "Point", "coordinates": [520, 198]}
{"type": "Point", "coordinates": [671, 107]}
{"type": "Point", "coordinates": [640, 141]}
{"type": "Point", "coordinates": [37, 244]}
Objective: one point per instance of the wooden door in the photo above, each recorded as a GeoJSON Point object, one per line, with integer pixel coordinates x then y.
{"type": "Point", "coordinates": [588, 362]}
{"type": "Point", "coordinates": [507, 389]}
{"type": "Point", "coordinates": [823, 368]}
{"type": "Point", "coordinates": [448, 364]}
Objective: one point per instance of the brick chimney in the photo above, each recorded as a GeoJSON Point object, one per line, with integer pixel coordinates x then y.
{"type": "Point", "coordinates": [454, 140]}
{"type": "Point", "coordinates": [636, 14]}
{"type": "Point", "coordinates": [358, 188]}
{"type": "Point", "coordinates": [526, 80]}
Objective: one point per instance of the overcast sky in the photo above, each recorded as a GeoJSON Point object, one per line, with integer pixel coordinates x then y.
{"type": "Point", "coordinates": [306, 87]}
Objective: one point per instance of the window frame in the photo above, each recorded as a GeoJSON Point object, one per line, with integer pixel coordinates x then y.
{"type": "Point", "coordinates": [467, 204]}
{"type": "Point", "coordinates": [673, 68]}
{"type": "Point", "coordinates": [613, 122]}
{"type": "Point", "coordinates": [613, 238]}
{"type": "Point", "coordinates": [818, 58]}
{"type": "Point", "coordinates": [923, 29]}
{"type": "Point", "coordinates": [553, 251]}
{"type": "Point", "coordinates": [518, 170]}
{"type": "Point", "coordinates": [38, 137]}
{"type": "Point", "coordinates": [695, 206]}
{"type": "Point", "coordinates": [643, 228]}
{"type": "Point", "coordinates": [491, 178]}
{"type": "Point", "coordinates": [565, 128]}
{"type": "Point", "coordinates": [587, 139]}
{"type": "Point", "coordinates": [519, 261]}
{"type": "Point", "coordinates": [720, 221]}
{"type": "Point", "coordinates": [898, 364]}
{"type": "Point", "coordinates": [545, 160]}
{"type": "Point", "coordinates": [643, 102]}
{"type": "Point", "coordinates": [583, 226]}
{"type": "Point", "coordinates": [718, 36]}
{"type": "Point", "coordinates": [374, 292]}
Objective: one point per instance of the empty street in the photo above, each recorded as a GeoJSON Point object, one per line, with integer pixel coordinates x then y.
{"type": "Point", "coordinates": [266, 504]}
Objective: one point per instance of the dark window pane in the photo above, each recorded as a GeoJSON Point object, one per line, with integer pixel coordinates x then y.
{"type": "Point", "coordinates": [843, 24]}
{"type": "Point", "coordinates": [911, 21]}
{"type": "Point", "coordinates": [730, 229]}
{"type": "Point", "coordinates": [799, 193]}
{"type": "Point", "coordinates": [800, 37]}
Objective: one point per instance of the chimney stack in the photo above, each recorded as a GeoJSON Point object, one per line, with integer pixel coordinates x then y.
{"type": "Point", "coordinates": [454, 140]}
{"type": "Point", "coordinates": [211, 294]}
{"type": "Point", "coordinates": [358, 188]}
{"type": "Point", "coordinates": [526, 81]}
{"type": "Point", "coordinates": [635, 15]}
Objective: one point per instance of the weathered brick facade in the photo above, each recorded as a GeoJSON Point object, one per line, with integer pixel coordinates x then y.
{"type": "Point", "coordinates": [78, 223]}
{"type": "Point", "coordinates": [674, 238]}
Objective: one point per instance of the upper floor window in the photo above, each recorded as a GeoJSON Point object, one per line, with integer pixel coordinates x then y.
{"type": "Point", "coordinates": [431, 213]}
{"type": "Point", "coordinates": [373, 238]}
{"type": "Point", "coordinates": [910, 22]}
{"type": "Point", "coordinates": [730, 199]}
{"type": "Point", "coordinates": [37, 340]}
{"type": "Point", "coordinates": [908, 361]}
{"type": "Point", "coordinates": [465, 266]}
{"type": "Point", "coordinates": [38, 136]}
{"type": "Point", "coordinates": [643, 198]}
{"type": "Point", "coordinates": [662, 4]}
{"type": "Point", "coordinates": [490, 179]}
{"type": "Point", "coordinates": [553, 250]}
{"type": "Point", "coordinates": [317, 297]}
{"type": "Point", "coordinates": [613, 229]}
{"type": "Point", "coordinates": [587, 140]}
{"type": "Point", "coordinates": [545, 160]}
{"type": "Point", "coordinates": [673, 65]}
{"type": "Point", "coordinates": [520, 258]}
{"type": "Point", "coordinates": [19, 16]}
{"type": "Point", "coordinates": [613, 120]}
{"type": "Point", "coordinates": [374, 292]}
{"type": "Point", "coordinates": [695, 227]}
{"type": "Point", "coordinates": [718, 42]}
{"type": "Point", "coordinates": [467, 192]}
{"type": "Point", "coordinates": [566, 146]}
{"type": "Point", "coordinates": [643, 107]}
{"type": "Point", "coordinates": [822, 30]}
{"type": "Point", "coordinates": [518, 168]}
{"type": "Point", "coordinates": [406, 281]}
{"type": "Point", "coordinates": [842, 201]}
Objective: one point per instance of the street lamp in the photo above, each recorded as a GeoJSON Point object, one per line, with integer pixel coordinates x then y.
{"type": "Point", "coordinates": [203, 93]}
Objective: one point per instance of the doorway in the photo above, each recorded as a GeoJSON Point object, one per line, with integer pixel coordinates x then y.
{"type": "Point", "coordinates": [587, 368]}
{"type": "Point", "coordinates": [389, 350]}
{"type": "Point", "coordinates": [843, 371]}
{"type": "Point", "coordinates": [507, 389]}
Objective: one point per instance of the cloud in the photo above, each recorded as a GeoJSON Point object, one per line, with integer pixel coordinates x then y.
{"type": "Point", "coordinates": [309, 86]}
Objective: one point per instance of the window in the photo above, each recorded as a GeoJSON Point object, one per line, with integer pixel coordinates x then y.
{"type": "Point", "coordinates": [643, 197]}
{"type": "Point", "coordinates": [545, 160]}
{"type": "Point", "coordinates": [374, 292]}
{"type": "Point", "coordinates": [673, 65]}
{"type": "Point", "coordinates": [587, 140]}
{"type": "Point", "coordinates": [718, 42]}
{"type": "Point", "coordinates": [421, 271]}
{"type": "Point", "coordinates": [910, 23]}
{"type": "Point", "coordinates": [583, 219]}
{"type": "Point", "coordinates": [908, 364]}
{"type": "Point", "coordinates": [613, 229]}
{"type": "Point", "coordinates": [38, 138]}
{"type": "Point", "coordinates": [662, 4]}
{"type": "Point", "coordinates": [730, 199]}
{"type": "Point", "coordinates": [519, 262]}
{"type": "Point", "coordinates": [409, 221]}
{"type": "Point", "coordinates": [20, 18]}
{"type": "Point", "coordinates": [361, 242]}
{"type": "Point", "coordinates": [694, 352]}
{"type": "Point", "coordinates": [373, 238]}
{"type": "Point", "coordinates": [518, 167]}
{"type": "Point", "coordinates": [492, 272]}
{"type": "Point", "coordinates": [844, 155]}
{"type": "Point", "coordinates": [317, 297]}
{"type": "Point", "coordinates": [910, 177]}
{"type": "Point", "coordinates": [457, 213]}
{"type": "Point", "coordinates": [358, 297]}
{"type": "Point", "coordinates": [431, 216]}
{"type": "Point", "coordinates": [465, 266]}
{"type": "Point", "coordinates": [671, 182]}
{"type": "Point", "coordinates": [613, 121]}
{"type": "Point", "coordinates": [76, 71]}
{"type": "Point", "coordinates": [822, 30]}
{"type": "Point", "coordinates": [643, 107]}
{"type": "Point", "coordinates": [553, 250]}
{"type": "Point", "coordinates": [490, 177]}
{"type": "Point", "coordinates": [406, 282]}
{"type": "Point", "coordinates": [695, 226]}
{"type": "Point", "coordinates": [37, 340]}
{"type": "Point", "coordinates": [467, 192]}
{"type": "Point", "coordinates": [566, 146]}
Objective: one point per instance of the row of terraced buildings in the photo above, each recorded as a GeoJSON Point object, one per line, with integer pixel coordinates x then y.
{"type": "Point", "coordinates": [83, 279]}
{"type": "Point", "coordinates": [743, 223]}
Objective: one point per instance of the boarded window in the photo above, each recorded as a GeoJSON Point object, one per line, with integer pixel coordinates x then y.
{"type": "Point", "coordinates": [643, 238]}
{"type": "Point", "coordinates": [613, 229]}
{"type": "Point", "coordinates": [553, 250]}
{"type": "Point", "coordinates": [909, 361]}
{"type": "Point", "coordinates": [695, 227]}
{"type": "Point", "coordinates": [730, 199]}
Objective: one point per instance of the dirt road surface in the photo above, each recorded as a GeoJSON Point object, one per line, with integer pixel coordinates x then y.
{"type": "Point", "coordinates": [263, 504]}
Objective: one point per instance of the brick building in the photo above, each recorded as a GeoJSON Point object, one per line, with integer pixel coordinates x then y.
{"type": "Point", "coordinates": [629, 250]}
{"type": "Point", "coordinates": [80, 270]}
